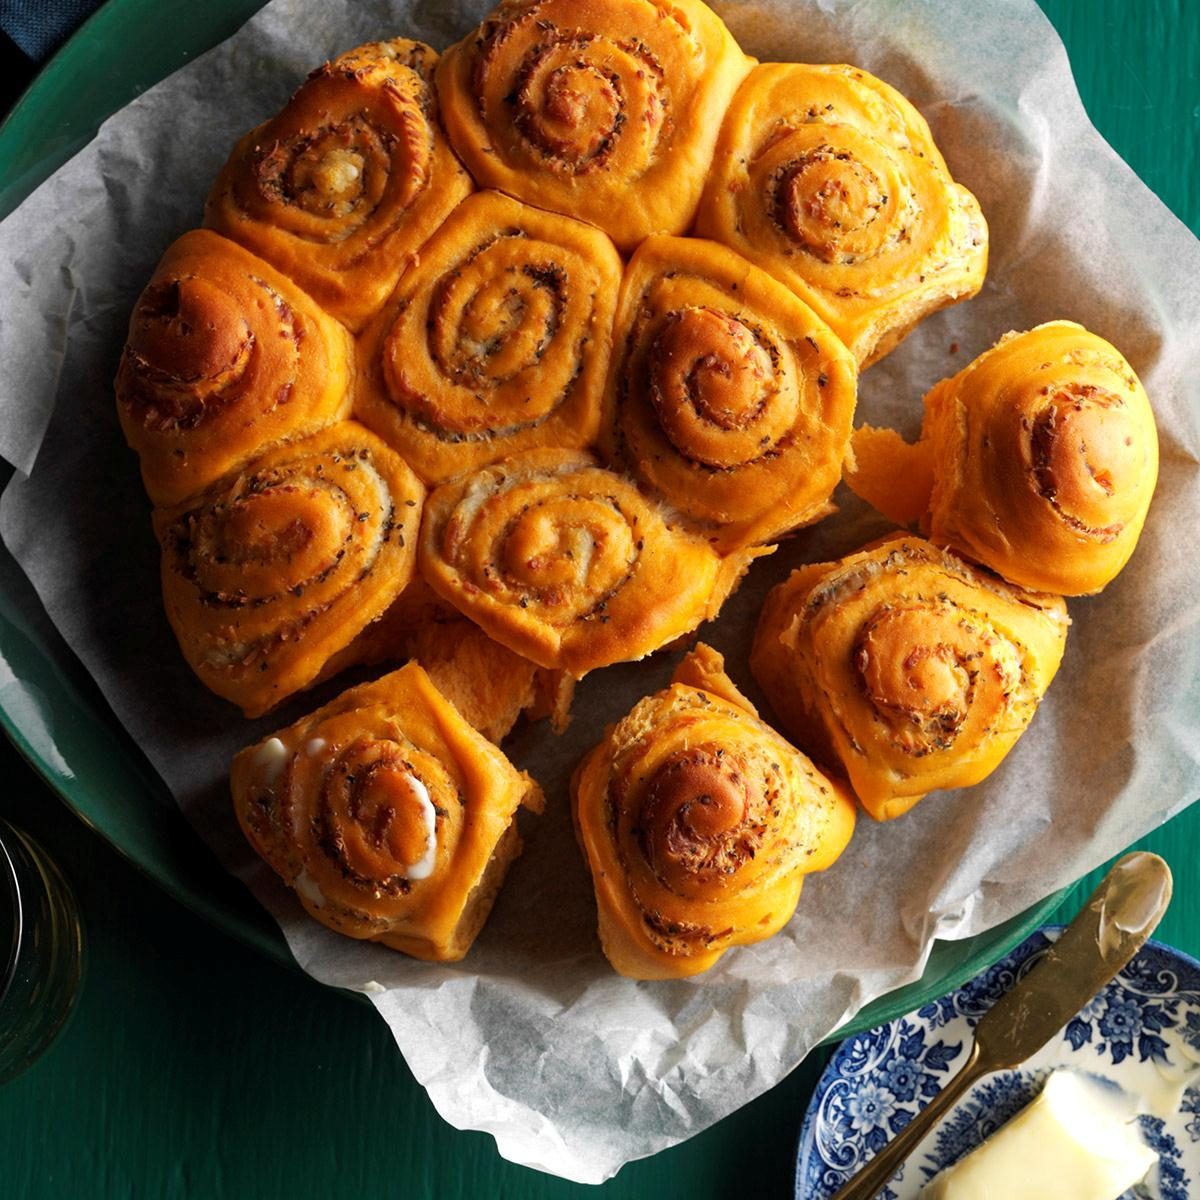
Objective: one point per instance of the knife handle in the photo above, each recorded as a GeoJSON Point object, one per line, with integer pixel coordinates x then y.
{"type": "Point", "coordinates": [873, 1178]}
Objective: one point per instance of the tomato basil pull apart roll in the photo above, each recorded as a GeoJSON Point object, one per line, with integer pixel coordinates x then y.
{"type": "Point", "coordinates": [567, 564]}
{"type": "Point", "coordinates": [273, 578]}
{"type": "Point", "coordinates": [728, 396]}
{"type": "Point", "coordinates": [907, 666]}
{"type": "Point", "coordinates": [388, 814]}
{"type": "Point", "coordinates": [340, 189]}
{"type": "Point", "coordinates": [829, 179]}
{"type": "Point", "coordinates": [224, 357]}
{"type": "Point", "coordinates": [699, 824]}
{"type": "Point", "coordinates": [604, 109]}
{"type": "Point", "coordinates": [497, 341]}
{"type": "Point", "coordinates": [1044, 456]}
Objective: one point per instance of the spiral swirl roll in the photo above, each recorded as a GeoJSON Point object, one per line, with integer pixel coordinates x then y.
{"type": "Point", "coordinates": [342, 187]}
{"type": "Point", "coordinates": [907, 666]}
{"type": "Point", "coordinates": [604, 109]}
{"type": "Point", "coordinates": [269, 577]}
{"type": "Point", "coordinates": [728, 396]}
{"type": "Point", "coordinates": [391, 817]}
{"type": "Point", "coordinates": [699, 823]}
{"type": "Point", "coordinates": [829, 179]}
{"type": "Point", "coordinates": [496, 342]}
{"type": "Point", "coordinates": [224, 357]}
{"type": "Point", "coordinates": [567, 564]}
{"type": "Point", "coordinates": [1047, 458]}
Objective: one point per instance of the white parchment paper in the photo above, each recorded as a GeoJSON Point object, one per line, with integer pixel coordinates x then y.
{"type": "Point", "coordinates": [533, 1038]}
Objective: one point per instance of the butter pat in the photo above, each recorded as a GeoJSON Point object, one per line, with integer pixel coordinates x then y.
{"type": "Point", "coordinates": [1076, 1141]}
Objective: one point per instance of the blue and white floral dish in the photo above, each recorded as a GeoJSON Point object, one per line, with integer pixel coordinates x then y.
{"type": "Point", "coordinates": [1142, 1033]}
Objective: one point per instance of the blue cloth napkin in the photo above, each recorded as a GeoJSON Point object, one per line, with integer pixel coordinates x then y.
{"type": "Point", "coordinates": [38, 26]}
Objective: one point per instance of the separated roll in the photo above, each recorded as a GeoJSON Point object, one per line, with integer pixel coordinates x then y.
{"type": "Point", "coordinates": [497, 341]}
{"type": "Point", "coordinates": [829, 179]}
{"type": "Point", "coordinates": [728, 396]}
{"type": "Point", "coordinates": [273, 578]}
{"type": "Point", "coordinates": [567, 564]}
{"type": "Point", "coordinates": [341, 188]}
{"type": "Point", "coordinates": [604, 109]}
{"type": "Point", "coordinates": [699, 824]}
{"type": "Point", "coordinates": [388, 814]}
{"type": "Point", "coordinates": [225, 356]}
{"type": "Point", "coordinates": [907, 666]}
{"type": "Point", "coordinates": [1046, 457]}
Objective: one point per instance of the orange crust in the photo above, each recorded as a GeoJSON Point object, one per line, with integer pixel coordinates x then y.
{"type": "Point", "coordinates": [490, 685]}
{"type": "Point", "coordinates": [333, 804]}
{"type": "Point", "coordinates": [907, 666]}
{"type": "Point", "coordinates": [497, 341]}
{"type": "Point", "coordinates": [1047, 459]}
{"type": "Point", "coordinates": [275, 571]}
{"type": "Point", "coordinates": [890, 474]}
{"type": "Point", "coordinates": [341, 188]}
{"type": "Point", "coordinates": [728, 396]}
{"type": "Point", "coordinates": [699, 824]}
{"type": "Point", "coordinates": [604, 109]}
{"type": "Point", "coordinates": [567, 564]}
{"type": "Point", "coordinates": [225, 357]}
{"type": "Point", "coordinates": [829, 179]}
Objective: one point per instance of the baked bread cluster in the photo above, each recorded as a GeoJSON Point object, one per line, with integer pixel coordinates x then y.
{"type": "Point", "coordinates": [508, 364]}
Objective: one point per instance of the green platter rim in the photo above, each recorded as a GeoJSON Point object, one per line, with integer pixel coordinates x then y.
{"type": "Point", "coordinates": [125, 47]}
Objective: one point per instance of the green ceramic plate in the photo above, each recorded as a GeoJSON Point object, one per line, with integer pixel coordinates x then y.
{"type": "Point", "coordinates": [50, 708]}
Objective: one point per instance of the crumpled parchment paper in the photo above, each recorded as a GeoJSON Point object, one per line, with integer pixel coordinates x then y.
{"type": "Point", "coordinates": [533, 1038]}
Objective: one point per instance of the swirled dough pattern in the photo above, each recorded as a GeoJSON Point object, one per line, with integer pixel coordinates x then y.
{"type": "Point", "coordinates": [340, 188]}
{"type": "Point", "coordinates": [829, 179]}
{"type": "Point", "coordinates": [728, 396]}
{"type": "Point", "coordinates": [699, 823]}
{"type": "Point", "coordinates": [391, 818]}
{"type": "Point", "coordinates": [907, 667]}
{"type": "Point", "coordinates": [607, 110]}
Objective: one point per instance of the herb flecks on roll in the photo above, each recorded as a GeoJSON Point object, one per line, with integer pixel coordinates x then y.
{"type": "Point", "coordinates": [343, 185]}
{"type": "Point", "coordinates": [388, 814]}
{"type": "Point", "coordinates": [272, 579]}
{"type": "Point", "coordinates": [906, 667]}
{"type": "Point", "coordinates": [728, 397]}
{"type": "Point", "coordinates": [496, 342]}
{"type": "Point", "coordinates": [699, 824]}
{"type": "Point", "coordinates": [225, 357]}
{"type": "Point", "coordinates": [830, 180]}
{"type": "Point", "coordinates": [606, 110]}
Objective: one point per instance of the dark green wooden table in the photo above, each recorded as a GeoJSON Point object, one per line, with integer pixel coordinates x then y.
{"type": "Point", "coordinates": [192, 1067]}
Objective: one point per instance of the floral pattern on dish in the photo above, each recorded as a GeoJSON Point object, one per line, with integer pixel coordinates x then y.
{"type": "Point", "coordinates": [1142, 1032]}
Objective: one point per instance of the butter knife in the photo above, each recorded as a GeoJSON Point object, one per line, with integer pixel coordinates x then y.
{"type": "Point", "coordinates": [1110, 929]}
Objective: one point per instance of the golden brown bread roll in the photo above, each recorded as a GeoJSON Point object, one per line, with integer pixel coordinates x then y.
{"type": "Point", "coordinates": [699, 824]}
{"type": "Point", "coordinates": [497, 341]}
{"type": "Point", "coordinates": [604, 109]}
{"type": "Point", "coordinates": [907, 666]}
{"type": "Point", "coordinates": [567, 564]}
{"type": "Point", "coordinates": [341, 188]}
{"type": "Point", "coordinates": [225, 357]}
{"type": "Point", "coordinates": [271, 578]}
{"type": "Point", "coordinates": [727, 396]}
{"type": "Point", "coordinates": [1047, 457]}
{"type": "Point", "coordinates": [391, 818]}
{"type": "Point", "coordinates": [1040, 460]}
{"type": "Point", "coordinates": [829, 179]}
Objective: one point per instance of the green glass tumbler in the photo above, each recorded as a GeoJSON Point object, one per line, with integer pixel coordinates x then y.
{"type": "Point", "coordinates": [41, 951]}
